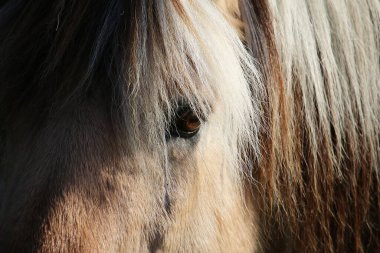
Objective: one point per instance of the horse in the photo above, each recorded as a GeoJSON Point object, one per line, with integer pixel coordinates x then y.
{"type": "Point", "coordinates": [190, 126]}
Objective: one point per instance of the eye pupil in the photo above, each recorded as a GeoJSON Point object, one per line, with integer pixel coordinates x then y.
{"type": "Point", "coordinates": [186, 124]}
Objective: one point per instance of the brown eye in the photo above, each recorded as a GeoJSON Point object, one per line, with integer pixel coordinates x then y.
{"type": "Point", "coordinates": [186, 124]}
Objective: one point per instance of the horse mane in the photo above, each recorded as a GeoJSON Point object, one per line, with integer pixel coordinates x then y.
{"type": "Point", "coordinates": [319, 177]}
{"type": "Point", "coordinates": [310, 137]}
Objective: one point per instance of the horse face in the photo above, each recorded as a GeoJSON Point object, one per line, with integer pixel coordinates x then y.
{"type": "Point", "coordinates": [135, 126]}
{"type": "Point", "coordinates": [150, 158]}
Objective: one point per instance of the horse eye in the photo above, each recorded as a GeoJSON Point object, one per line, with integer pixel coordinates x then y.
{"type": "Point", "coordinates": [186, 123]}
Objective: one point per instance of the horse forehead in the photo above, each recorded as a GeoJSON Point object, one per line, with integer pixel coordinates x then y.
{"type": "Point", "coordinates": [231, 11]}
{"type": "Point", "coordinates": [228, 6]}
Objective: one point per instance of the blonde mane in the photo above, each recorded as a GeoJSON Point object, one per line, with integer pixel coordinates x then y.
{"type": "Point", "coordinates": [321, 155]}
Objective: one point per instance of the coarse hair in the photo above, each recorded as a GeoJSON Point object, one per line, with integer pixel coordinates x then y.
{"type": "Point", "coordinates": [287, 157]}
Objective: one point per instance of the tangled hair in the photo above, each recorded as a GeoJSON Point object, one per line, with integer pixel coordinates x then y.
{"type": "Point", "coordinates": [288, 94]}
{"type": "Point", "coordinates": [319, 177]}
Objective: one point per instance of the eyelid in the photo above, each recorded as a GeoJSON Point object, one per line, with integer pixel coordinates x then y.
{"type": "Point", "coordinates": [201, 115]}
{"type": "Point", "coordinates": [201, 108]}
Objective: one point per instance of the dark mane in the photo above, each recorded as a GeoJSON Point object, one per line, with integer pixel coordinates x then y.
{"type": "Point", "coordinates": [72, 49]}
